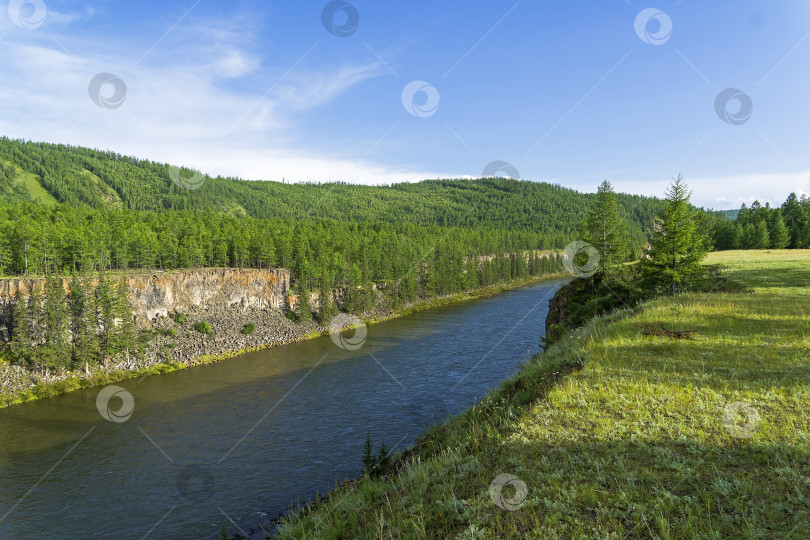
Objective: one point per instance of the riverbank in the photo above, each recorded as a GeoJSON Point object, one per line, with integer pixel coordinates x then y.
{"type": "Point", "coordinates": [615, 432]}
{"type": "Point", "coordinates": [172, 350]}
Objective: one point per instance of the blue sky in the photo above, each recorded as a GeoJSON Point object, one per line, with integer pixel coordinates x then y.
{"type": "Point", "coordinates": [565, 91]}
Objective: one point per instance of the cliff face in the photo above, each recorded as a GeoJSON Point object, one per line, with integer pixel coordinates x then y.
{"type": "Point", "coordinates": [557, 309]}
{"type": "Point", "coordinates": [160, 294]}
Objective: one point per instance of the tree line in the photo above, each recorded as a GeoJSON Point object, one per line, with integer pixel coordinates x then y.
{"type": "Point", "coordinates": [38, 240]}
{"type": "Point", "coordinates": [90, 323]}
{"type": "Point", "coordinates": [763, 227]}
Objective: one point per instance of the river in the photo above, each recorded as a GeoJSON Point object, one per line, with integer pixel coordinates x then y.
{"type": "Point", "coordinates": [249, 437]}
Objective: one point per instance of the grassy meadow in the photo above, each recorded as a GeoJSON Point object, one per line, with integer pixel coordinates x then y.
{"type": "Point", "coordinates": [620, 434]}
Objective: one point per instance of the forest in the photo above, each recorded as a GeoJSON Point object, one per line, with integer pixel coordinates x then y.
{"type": "Point", "coordinates": [763, 227]}
{"type": "Point", "coordinates": [52, 174]}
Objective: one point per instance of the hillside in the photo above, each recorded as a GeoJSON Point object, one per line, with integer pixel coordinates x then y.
{"type": "Point", "coordinates": [81, 176]}
{"type": "Point", "coordinates": [614, 433]}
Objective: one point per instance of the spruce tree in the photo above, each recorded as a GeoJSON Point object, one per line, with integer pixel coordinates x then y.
{"type": "Point", "coordinates": [678, 242]}
{"type": "Point", "coordinates": [605, 230]}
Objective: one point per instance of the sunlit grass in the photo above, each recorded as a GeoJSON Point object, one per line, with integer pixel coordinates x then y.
{"type": "Point", "coordinates": [631, 445]}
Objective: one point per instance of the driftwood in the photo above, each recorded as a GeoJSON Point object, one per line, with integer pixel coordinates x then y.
{"type": "Point", "coordinates": [659, 330]}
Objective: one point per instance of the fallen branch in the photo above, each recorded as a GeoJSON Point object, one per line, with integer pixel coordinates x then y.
{"type": "Point", "coordinates": [660, 330]}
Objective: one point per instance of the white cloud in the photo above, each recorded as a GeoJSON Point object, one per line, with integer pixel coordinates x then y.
{"type": "Point", "coordinates": [728, 192]}
{"type": "Point", "coordinates": [299, 167]}
{"type": "Point", "coordinates": [183, 103]}
{"type": "Point", "coordinates": [234, 63]}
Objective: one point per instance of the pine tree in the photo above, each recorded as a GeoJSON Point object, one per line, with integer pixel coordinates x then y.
{"type": "Point", "coordinates": [21, 332]}
{"type": "Point", "coordinates": [605, 230]}
{"type": "Point", "coordinates": [678, 242]}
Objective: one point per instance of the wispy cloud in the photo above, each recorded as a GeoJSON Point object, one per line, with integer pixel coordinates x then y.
{"type": "Point", "coordinates": [181, 101]}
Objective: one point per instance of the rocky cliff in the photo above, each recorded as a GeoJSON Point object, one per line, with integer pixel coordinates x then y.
{"type": "Point", "coordinates": [161, 294]}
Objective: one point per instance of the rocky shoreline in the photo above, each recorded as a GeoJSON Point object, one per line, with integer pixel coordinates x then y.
{"type": "Point", "coordinates": [175, 346]}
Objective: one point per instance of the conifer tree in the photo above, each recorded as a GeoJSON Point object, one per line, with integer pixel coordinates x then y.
{"type": "Point", "coordinates": [326, 307]}
{"type": "Point", "coordinates": [83, 324]}
{"type": "Point", "coordinates": [605, 230]}
{"type": "Point", "coordinates": [21, 332]}
{"type": "Point", "coordinates": [678, 242]}
{"type": "Point", "coordinates": [125, 331]}
{"type": "Point", "coordinates": [383, 459]}
{"type": "Point", "coordinates": [762, 239]}
{"type": "Point", "coordinates": [37, 328]}
{"type": "Point", "coordinates": [779, 235]}
{"type": "Point", "coordinates": [105, 312]}
{"type": "Point", "coordinates": [56, 321]}
{"type": "Point", "coordinates": [303, 309]}
{"type": "Point", "coordinates": [368, 457]}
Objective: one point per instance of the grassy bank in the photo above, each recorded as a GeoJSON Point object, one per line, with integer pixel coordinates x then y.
{"type": "Point", "coordinates": [78, 380]}
{"type": "Point", "coordinates": [618, 434]}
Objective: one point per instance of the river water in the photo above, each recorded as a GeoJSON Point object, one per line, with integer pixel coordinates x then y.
{"type": "Point", "coordinates": [249, 437]}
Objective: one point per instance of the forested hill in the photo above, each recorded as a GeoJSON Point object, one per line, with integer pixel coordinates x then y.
{"type": "Point", "coordinates": [78, 176]}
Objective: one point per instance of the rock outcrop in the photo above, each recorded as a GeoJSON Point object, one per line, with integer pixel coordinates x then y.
{"type": "Point", "coordinates": [159, 295]}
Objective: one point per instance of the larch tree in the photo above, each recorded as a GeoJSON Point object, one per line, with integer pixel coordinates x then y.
{"type": "Point", "coordinates": [678, 242]}
{"type": "Point", "coordinates": [605, 230]}
{"type": "Point", "coordinates": [56, 322]}
{"type": "Point", "coordinates": [21, 331]}
{"type": "Point", "coordinates": [83, 324]}
{"type": "Point", "coordinates": [779, 234]}
{"type": "Point", "coordinates": [125, 331]}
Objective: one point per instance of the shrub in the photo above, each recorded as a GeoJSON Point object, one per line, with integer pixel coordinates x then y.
{"type": "Point", "coordinates": [375, 465]}
{"type": "Point", "coordinates": [203, 327]}
{"type": "Point", "coordinates": [248, 328]}
{"type": "Point", "coordinates": [555, 333]}
{"type": "Point", "coordinates": [180, 318]}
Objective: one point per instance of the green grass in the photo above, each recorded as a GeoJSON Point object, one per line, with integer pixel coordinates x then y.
{"type": "Point", "coordinates": [617, 434]}
{"type": "Point", "coordinates": [35, 189]}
